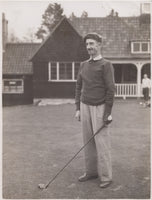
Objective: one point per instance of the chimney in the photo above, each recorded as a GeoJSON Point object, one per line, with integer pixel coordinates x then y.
{"type": "Point", "coordinates": [145, 8]}
{"type": "Point", "coordinates": [4, 31]}
{"type": "Point", "coordinates": [112, 12]}
{"type": "Point", "coordinates": [144, 13]}
{"type": "Point", "coordinates": [116, 14]}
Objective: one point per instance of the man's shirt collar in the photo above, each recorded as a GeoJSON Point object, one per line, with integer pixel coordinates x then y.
{"type": "Point", "coordinates": [99, 57]}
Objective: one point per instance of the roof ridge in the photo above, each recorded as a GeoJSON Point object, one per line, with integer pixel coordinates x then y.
{"type": "Point", "coordinates": [106, 17]}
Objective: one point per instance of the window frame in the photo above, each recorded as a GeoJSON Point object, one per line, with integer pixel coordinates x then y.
{"type": "Point", "coordinates": [140, 47]}
{"type": "Point", "coordinates": [20, 88]}
{"type": "Point", "coordinates": [57, 72]}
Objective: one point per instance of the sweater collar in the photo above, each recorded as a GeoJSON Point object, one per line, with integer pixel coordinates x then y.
{"type": "Point", "coordinates": [99, 57]}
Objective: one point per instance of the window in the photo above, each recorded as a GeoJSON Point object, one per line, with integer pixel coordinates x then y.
{"type": "Point", "coordinates": [14, 86]}
{"type": "Point", "coordinates": [136, 47]}
{"type": "Point", "coordinates": [63, 71]}
{"type": "Point", "coordinates": [144, 47]}
{"type": "Point", "coordinates": [140, 47]}
{"type": "Point", "coordinates": [53, 71]}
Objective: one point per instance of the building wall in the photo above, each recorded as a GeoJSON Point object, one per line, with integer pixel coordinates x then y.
{"type": "Point", "coordinates": [64, 44]}
{"type": "Point", "coordinates": [54, 89]}
{"type": "Point", "coordinates": [40, 71]}
{"type": "Point", "coordinates": [19, 99]}
{"type": "Point", "coordinates": [47, 89]}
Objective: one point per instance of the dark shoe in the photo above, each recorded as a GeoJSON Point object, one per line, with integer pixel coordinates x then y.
{"type": "Point", "coordinates": [86, 177]}
{"type": "Point", "coordinates": [105, 184]}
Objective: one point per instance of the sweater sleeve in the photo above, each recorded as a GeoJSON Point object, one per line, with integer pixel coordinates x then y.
{"type": "Point", "coordinates": [78, 89]}
{"type": "Point", "coordinates": [110, 87]}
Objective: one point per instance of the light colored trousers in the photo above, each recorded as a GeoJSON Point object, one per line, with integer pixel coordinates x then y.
{"type": "Point", "coordinates": [97, 152]}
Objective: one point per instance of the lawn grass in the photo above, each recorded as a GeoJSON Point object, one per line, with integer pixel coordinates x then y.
{"type": "Point", "coordinates": [39, 140]}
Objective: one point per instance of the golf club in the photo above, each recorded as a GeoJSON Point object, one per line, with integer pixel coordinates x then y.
{"type": "Point", "coordinates": [44, 186]}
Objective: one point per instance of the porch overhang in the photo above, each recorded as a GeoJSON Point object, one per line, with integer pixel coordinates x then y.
{"type": "Point", "coordinates": [129, 59]}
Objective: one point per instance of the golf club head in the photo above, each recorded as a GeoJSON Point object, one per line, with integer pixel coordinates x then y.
{"type": "Point", "coordinates": [41, 186]}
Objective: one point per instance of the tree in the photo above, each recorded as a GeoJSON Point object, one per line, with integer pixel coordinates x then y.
{"type": "Point", "coordinates": [84, 14]}
{"type": "Point", "coordinates": [30, 36]}
{"type": "Point", "coordinates": [13, 38]}
{"type": "Point", "coordinates": [52, 15]}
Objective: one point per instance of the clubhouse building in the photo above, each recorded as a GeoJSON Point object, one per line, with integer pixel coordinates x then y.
{"type": "Point", "coordinates": [49, 70]}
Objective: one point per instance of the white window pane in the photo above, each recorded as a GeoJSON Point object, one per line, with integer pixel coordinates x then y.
{"type": "Point", "coordinates": [144, 47]}
{"type": "Point", "coordinates": [136, 47]}
{"type": "Point", "coordinates": [13, 86]}
{"type": "Point", "coordinates": [65, 71]}
{"type": "Point", "coordinates": [53, 71]}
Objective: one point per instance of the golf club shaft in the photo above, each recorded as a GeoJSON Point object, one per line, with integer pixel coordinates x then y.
{"type": "Point", "coordinates": [74, 156]}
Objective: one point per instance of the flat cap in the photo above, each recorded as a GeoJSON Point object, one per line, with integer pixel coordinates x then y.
{"type": "Point", "coordinates": [94, 36]}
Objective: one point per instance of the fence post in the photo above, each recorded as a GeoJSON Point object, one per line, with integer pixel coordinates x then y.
{"type": "Point", "coordinates": [139, 67]}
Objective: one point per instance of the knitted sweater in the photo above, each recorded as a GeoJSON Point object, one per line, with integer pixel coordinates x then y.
{"type": "Point", "coordinates": [95, 84]}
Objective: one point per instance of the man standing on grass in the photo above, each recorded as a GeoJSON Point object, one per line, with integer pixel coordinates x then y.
{"type": "Point", "coordinates": [94, 98]}
{"type": "Point", "coordinates": [146, 84]}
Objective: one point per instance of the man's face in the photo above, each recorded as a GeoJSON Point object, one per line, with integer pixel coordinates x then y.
{"type": "Point", "coordinates": [145, 75]}
{"type": "Point", "coordinates": [93, 47]}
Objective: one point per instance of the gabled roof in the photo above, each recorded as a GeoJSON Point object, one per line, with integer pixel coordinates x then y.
{"type": "Point", "coordinates": [117, 32]}
{"type": "Point", "coordinates": [110, 23]}
{"type": "Point", "coordinates": [16, 58]}
{"type": "Point", "coordinates": [64, 19]}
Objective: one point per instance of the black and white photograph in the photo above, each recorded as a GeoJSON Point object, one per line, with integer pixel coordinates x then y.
{"type": "Point", "coordinates": [76, 99]}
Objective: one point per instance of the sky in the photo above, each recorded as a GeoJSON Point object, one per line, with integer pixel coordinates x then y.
{"type": "Point", "coordinates": [25, 16]}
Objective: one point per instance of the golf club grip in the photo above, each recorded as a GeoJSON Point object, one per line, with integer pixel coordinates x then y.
{"type": "Point", "coordinates": [75, 155]}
